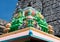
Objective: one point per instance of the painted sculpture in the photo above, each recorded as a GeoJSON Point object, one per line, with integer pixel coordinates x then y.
{"type": "Point", "coordinates": [17, 21]}
{"type": "Point", "coordinates": [7, 28]}
{"type": "Point", "coordinates": [51, 31]}
{"type": "Point", "coordinates": [30, 18]}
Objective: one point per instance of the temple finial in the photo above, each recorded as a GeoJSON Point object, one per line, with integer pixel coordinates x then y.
{"type": "Point", "coordinates": [30, 3]}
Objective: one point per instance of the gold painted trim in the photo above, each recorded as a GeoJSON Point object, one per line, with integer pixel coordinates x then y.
{"type": "Point", "coordinates": [50, 35]}
{"type": "Point", "coordinates": [25, 29]}
{"type": "Point", "coordinates": [15, 32]}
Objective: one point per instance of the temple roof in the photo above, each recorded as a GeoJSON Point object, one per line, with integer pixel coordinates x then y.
{"type": "Point", "coordinates": [28, 34]}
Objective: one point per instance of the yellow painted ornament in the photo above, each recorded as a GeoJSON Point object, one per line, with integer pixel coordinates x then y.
{"type": "Point", "coordinates": [51, 31]}
{"type": "Point", "coordinates": [6, 30]}
{"type": "Point", "coordinates": [41, 16]}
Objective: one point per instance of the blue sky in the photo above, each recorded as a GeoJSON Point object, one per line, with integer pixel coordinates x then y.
{"type": "Point", "coordinates": [7, 8]}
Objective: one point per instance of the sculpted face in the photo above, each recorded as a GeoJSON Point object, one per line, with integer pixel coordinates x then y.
{"type": "Point", "coordinates": [29, 11]}
{"type": "Point", "coordinates": [8, 25]}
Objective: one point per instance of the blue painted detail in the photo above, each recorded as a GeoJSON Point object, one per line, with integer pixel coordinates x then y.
{"type": "Point", "coordinates": [50, 41]}
{"type": "Point", "coordinates": [41, 38]}
{"type": "Point", "coordinates": [30, 33]}
{"type": "Point", "coordinates": [15, 38]}
{"type": "Point", "coordinates": [4, 41]}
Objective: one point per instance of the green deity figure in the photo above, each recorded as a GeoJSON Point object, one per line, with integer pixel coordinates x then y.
{"type": "Point", "coordinates": [30, 17]}
{"type": "Point", "coordinates": [17, 21]}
